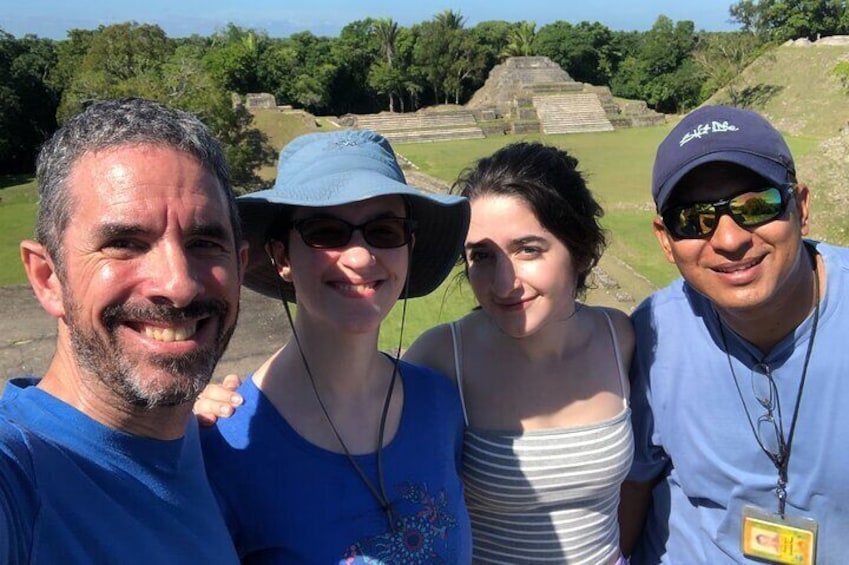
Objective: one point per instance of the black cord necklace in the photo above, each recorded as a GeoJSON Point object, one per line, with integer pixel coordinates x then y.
{"type": "Point", "coordinates": [379, 491]}
{"type": "Point", "coordinates": [781, 460]}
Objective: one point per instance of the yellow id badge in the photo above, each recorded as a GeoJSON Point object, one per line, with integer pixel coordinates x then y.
{"type": "Point", "coordinates": [769, 537]}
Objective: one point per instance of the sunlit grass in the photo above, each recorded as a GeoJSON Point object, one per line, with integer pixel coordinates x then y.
{"type": "Point", "coordinates": [17, 216]}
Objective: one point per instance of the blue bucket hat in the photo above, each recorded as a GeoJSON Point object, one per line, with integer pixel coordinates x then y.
{"type": "Point", "coordinates": [330, 169]}
{"type": "Point", "coordinates": [720, 133]}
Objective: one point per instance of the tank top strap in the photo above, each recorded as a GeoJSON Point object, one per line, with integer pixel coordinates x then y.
{"type": "Point", "coordinates": [623, 375]}
{"type": "Point", "coordinates": [456, 340]}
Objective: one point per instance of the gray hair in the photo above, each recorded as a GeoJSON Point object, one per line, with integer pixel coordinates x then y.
{"type": "Point", "coordinates": [112, 123]}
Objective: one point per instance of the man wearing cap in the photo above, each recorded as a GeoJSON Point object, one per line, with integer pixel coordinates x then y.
{"type": "Point", "coordinates": [740, 373]}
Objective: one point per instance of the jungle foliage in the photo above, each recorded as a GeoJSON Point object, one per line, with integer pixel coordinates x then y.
{"type": "Point", "coordinates": [374, 64]}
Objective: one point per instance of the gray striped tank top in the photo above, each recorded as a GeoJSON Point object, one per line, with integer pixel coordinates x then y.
{"type": "Point", "coordinates": [546, 496]}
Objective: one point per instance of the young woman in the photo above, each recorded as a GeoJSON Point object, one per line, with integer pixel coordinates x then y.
{"type": "Point", "coordinates": [543, 377]}
{"type": "Point", "coordinates": [340, 453]}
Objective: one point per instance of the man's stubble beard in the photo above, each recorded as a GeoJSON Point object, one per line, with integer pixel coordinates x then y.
{"type": "Point", "coordinates": [105, 360]}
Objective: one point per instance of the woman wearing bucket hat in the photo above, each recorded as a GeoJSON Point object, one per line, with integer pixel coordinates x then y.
{"type": "Point", "coordinates": [342, 454]}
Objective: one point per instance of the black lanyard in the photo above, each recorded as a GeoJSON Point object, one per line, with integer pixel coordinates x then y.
{"type": "Point", "coordinates": [781, 460]}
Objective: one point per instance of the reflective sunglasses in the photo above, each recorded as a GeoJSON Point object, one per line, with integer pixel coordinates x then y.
{"type": "Point", "coordinates": [326, 232]}
{"type": "Point", "coordinates": [751, 209]}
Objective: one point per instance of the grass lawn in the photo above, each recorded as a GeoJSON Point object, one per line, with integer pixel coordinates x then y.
{"type": "Point", "coordinates": [281, 127]}
{"type": "Point", "coordinates": [18, 197]}
{"type": "Point", "coordinates": [450, 301]}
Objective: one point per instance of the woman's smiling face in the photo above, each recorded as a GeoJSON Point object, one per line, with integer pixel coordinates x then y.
{"type": "Point", "coordinates": [352, 287]}
{"type": "Point", "coordinates": [522, 275]}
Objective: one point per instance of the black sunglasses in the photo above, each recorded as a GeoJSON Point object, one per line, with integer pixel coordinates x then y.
{"type": "Point", "coordinates": [327, 232]}
{"type": "Point", "coordinates": [698, 220]}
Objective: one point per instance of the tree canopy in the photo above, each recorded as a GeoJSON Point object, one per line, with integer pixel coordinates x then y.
{"type": "Point", "coordinates": [374, 64]}
{"type": "Point", "coordinates": [780, 20]}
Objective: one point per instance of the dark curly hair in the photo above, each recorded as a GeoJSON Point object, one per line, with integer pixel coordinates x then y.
{"type": "Point", "coordinates": [547, 179]}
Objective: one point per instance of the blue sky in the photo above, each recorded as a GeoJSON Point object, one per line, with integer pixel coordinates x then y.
{"type": "Point", "coordinates": [280, 18]}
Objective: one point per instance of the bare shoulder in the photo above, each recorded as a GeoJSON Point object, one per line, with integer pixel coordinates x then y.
{"type": "Point", "coordinates": [622, 328]}
{"type": "Point", "coordinates": [434, 349]}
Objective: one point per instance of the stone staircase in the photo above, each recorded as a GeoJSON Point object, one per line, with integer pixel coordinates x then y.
{"type": "Point", "coordinates": [571, 113]}
{"type": "Point", "coordinates": [515, 78]}
{"type": "Point", "coordinates": [637, 114]}
{"type": "Point", "coordinates": [522, 95]}
{"type": "Point", "coordinates": [422, 126]}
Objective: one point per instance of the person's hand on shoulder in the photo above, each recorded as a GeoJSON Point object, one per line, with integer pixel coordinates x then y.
{"type": "Point", "coordinates": [218, 400]}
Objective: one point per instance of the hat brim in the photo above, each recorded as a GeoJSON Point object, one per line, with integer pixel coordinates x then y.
{"type": "Point", "coordinates": [441, 224]}
{"type": "Point", "coordinates": [770, 169]}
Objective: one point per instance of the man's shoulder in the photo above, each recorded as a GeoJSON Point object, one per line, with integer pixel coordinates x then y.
{"type": "Point", "coordinates": [14, 436]}
{"type": "Point", "coordinates": [833, 254]}
{"type": "Point", "coordinates": [672, 298]}
{"type": "Point", "coordinates": [17, 439]}
{"type": "Point", "coordinates": [17, 463]}
{"type": "Point", "coordinates": [27, 427]}
{"type": "Point", "coordinates": [18, 407]}
{"type": "Point", "coordinates": [18, 491]}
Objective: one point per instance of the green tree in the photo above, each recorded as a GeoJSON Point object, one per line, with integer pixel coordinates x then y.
{"type": "Point", "coordinates": [316, 73]}
{"type": "Point", "coordinates": [492, 38]}
{"type": "Point", "coordinates": [780, 20]}
{"type": "Point", "coordinates": [70, 54]}
{"type": "Point", "coordinates": [433, 51]}
{"type": "Point", "coordinates": [111, 66]}
{"type": "Point", "coordinates": [128, 50]}
{"type": "Point", "coordinates": [384, 76]}
{"type": "Point", "coordinates": [585, 50]}
{"type": "Point", "coordinates": [386, 31]}
{"type": "Point", "coordinates": [119, 60]}
{"type": "Point", "coordinates": [188, 85]}
{"type": "Point", "coordinates": [520, 41]}
{"type": "Point", "coordinates": [415, 81]}
{"type": "Point", "coordinates": [234, 57]}
{"type": "Point", "coordinates": [387, 80]}
{"type": "Point", "coordinates": [661, 70]}
{"type": "Point", "coordinates": [450, 20]}
{"type": "Point", "coordinates": [278, 68]}
{"type": "Point", "coordinates": [721, 57]}
{"type": "Point", "coordinates": [468, 66]}
{"type": "Point", "coordinates": [353, 53]}
{"type": "Point", "coordinates": [28, 100]}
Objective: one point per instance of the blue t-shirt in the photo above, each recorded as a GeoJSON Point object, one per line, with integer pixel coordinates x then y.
{"type": "Point", "coordinates": [289, 501]}
{"type": "Point", "coordinates": [75, 491]}
{"type": "Point", "coordinates": [690, 427]}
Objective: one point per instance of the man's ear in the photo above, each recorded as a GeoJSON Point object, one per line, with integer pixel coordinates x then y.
{"type": "Point", "coordinates": [663, 238]}
{"type": "Point", "coordinates": [803, 203]}
{"type": "Point", "coordinates": [43, 278]}
{"type": "Point", "coordinates": [278, 255]}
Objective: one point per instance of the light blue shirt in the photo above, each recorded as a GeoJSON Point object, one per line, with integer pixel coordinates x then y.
{"type": "Point", "coordinates": [691, 429]}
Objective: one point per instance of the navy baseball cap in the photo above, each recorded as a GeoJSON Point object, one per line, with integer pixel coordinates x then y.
{"type": "Point", "coordinates": [720, 133]}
